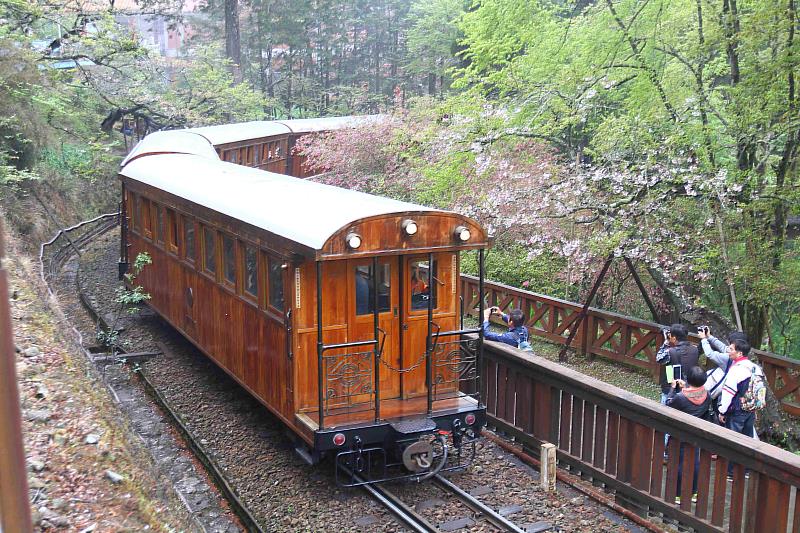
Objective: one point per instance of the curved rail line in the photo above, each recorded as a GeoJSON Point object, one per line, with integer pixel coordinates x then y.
{"type": "Point", "coordinates": [57, 260]}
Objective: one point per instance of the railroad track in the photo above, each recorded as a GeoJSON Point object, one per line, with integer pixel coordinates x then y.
{"type": "Point", "coordinates": [418, 523]}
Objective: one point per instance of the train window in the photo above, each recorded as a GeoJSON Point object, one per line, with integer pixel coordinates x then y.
{"type": "Point", "coordinates": [137, 213]}
{"type": "Point", "coordinates": [365, 297]}
{"type": "Point", "coordinates": [264, 153]}
{"type": "Point", "coordinates": [275, 272]}
{"type": "Point", "coordinates": [172, 231]}
{"type": "Point", "coordinates": [422, 288]}
{"type": "Point", "coordinates": [250, 271]}
{"type": "Point", "coordinates": [228, 260]}
{"type": "Point", "coordinates": [209, 250]}
{"type": "Point", "coordinates": [159, 223]}
{"type": "Point", "coordinates": [133, 211]}
{"type": "Point", "coordinates": [147, 221]}
{"type": "Point", "coordinates": [278, 150]}
{"type": "Point", "coordinates": [188, 239]}
{"type": "Point", "coordinates": [233, 156]}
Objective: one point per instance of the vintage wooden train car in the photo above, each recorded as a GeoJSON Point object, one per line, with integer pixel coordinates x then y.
{"type": "Point", "coordinates": [338, 310]}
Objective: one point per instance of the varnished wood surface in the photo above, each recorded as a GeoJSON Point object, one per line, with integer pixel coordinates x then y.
{"type": "Point", "coordinates": [246, 341]}
{"type": "Point", "coordinates": [394, 409]}
{"type": "Point", "coordinates": [384, 234]}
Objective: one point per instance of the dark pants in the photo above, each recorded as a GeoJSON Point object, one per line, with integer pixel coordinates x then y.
{"type": "Point", "coordinates": [696, 469]}
{"type": "Point", "coordinates": [740, 422]}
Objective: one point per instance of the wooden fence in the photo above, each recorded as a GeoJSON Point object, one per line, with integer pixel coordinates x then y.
{"type": "Point", "coordinates": [613, 336]}
{"type": "Point", "coordinates": [616, 438]}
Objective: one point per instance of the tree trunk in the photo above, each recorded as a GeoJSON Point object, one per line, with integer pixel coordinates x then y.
{"type": "Point", "coordinates": [233, 45]}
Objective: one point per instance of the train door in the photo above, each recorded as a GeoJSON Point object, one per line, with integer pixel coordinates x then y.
{"type": "Point", "coordinates": [361, 318]}
{"type": "Point", "coordinates": [426, 283]}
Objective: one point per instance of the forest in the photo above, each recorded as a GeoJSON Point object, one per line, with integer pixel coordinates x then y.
{"type": "Point", "coordinates": [662, 131]}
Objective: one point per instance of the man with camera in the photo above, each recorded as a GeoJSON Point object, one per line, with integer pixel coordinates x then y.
{"type": "Point", "coordinates": [517, 334]}
{"type": "Point", "coordinates": [677, 352]}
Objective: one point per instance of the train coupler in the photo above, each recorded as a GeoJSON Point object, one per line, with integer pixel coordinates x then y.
{"type": "Point", "coordinates": [369, 464]}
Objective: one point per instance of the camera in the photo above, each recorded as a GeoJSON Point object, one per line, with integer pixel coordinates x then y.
{"type": "Point", "coordinates": [666, 333]}
{"type": "Point", "coordinates": [704, 329]}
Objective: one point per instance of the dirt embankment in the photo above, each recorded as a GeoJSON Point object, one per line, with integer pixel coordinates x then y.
{"type": "Point", "coordinates": [86, 471]}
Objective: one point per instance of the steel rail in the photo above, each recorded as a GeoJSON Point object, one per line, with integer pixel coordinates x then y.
{"type": "Point", "coordinates": [494, 518]}
{"type": "Point", "coordinates": [396, 506]}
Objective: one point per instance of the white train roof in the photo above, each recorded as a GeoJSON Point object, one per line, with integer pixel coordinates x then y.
{"type": "Point", "coordinates": [230, 133]}
{"type": "Point", "coordinates": [202, 141]}
{"type": "Point", "coordinates": [303, 211]}
{"type": "Point", "coordinates": [172, 142]}
{"type": "Point", "coordinates": [310, 125]}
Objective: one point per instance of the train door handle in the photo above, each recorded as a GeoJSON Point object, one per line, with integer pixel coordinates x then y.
{"type": "Point", "coordinates": [405, 327]}
{"type": "Point", "coordinates": [394, 310]}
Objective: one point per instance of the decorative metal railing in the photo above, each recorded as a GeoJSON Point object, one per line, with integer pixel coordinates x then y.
{"type": "Point", "coordinates": [614, 336]}
{"type": "Point", "coordinates": [349, 381]}
{"type": "Point", "coordinates": [455, 367]}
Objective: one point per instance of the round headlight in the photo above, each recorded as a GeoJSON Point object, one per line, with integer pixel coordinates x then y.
{"type": "Point", "coordinates": [353, 240]}
{"type": "Point", "coordinates": [410, 227]}
{"type": "Point", "coordinates": [462, 233]}
{"type": "Point", "coordinates": [339, 439]}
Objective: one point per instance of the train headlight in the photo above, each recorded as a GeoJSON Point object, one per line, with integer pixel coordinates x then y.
{"type": "Point", "coordinates": [339, 439]}
{"type": "Point", "coordinates": [462, 233]}
{"type": "Point", "coordinates": [410, 227]}
{"type": "Point", "coordinates": [469, 419]}
{"type": "Point", "coordinates": [353, 240]}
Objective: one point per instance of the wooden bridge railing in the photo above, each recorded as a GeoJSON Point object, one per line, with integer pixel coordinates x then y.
{"type": "Point", "coordinates": [613, 336]}
{"type": "Point", "coordinates": [616, 438]}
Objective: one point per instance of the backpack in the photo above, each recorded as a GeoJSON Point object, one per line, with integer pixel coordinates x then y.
{"type": "Point", "coordinates": [755, 397]}
{"type": "Point", "coordinates": [523, 343]}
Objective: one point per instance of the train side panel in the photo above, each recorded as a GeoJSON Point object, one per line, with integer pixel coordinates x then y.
{"type": "Point", "coordinates": [245, 339]}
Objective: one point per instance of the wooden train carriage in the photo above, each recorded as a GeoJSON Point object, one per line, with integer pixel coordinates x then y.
{"type": "Point", "coordinates": [270, 145]}
{"type": "Point", "coordinates": [338, 310]}
{"type": "Point", "coordinates": [259, 144]}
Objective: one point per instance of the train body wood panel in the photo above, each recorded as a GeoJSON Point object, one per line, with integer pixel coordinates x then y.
{"type": "Point", "coordinates": [338, 310]}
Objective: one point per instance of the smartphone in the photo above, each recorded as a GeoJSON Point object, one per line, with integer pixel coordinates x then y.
{"type": "Point", "coordinates": [677, 372]}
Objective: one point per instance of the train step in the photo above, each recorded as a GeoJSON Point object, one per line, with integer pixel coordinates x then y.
{"type": "Point", "coordinates": [413, 425]}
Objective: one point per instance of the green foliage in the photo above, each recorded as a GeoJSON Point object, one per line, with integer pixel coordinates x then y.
{"type": "Point", "coordinates": [443, 181]}
{"type": "Point", "coordinates": [127, 299]}
{"type": "Point", "coordinates": [512, 265]}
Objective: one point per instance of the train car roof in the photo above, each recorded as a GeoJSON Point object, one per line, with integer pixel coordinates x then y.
{"type": "Point", "coordinates": [310, 125]}
{"type": "Point", "coordinates": [230, 133]}
{"type": "Point", "coordinates": [172, 142]}
{"type": "Point", "coordinates": [303, 211]}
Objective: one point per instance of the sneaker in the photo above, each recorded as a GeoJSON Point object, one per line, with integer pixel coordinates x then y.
{"type": "Point", "coordinates": [678, 499]}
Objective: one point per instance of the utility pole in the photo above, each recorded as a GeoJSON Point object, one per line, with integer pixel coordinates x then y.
{"type": "Point", "coordinates": [15, 513]}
